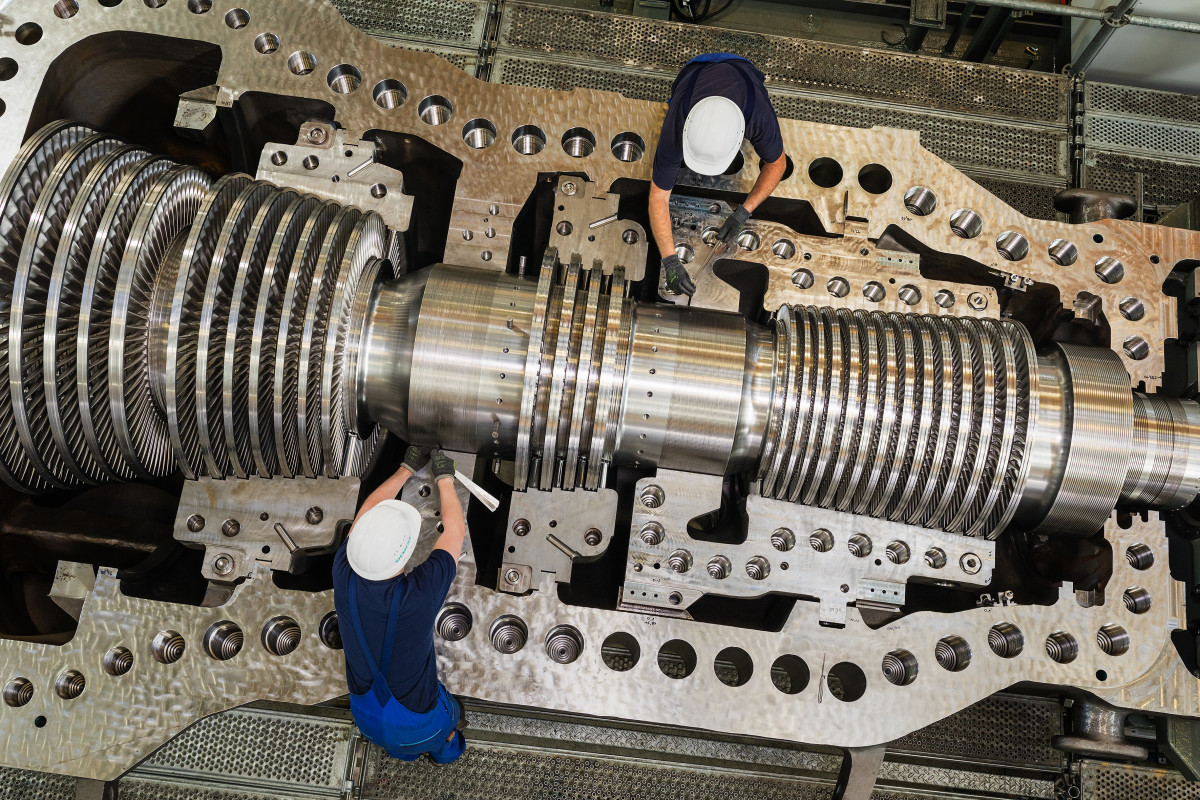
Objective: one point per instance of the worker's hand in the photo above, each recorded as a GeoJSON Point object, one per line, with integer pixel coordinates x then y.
{"type": "Point", "coordinates": [678, 280]}
{"type": "Point", "coordinates": [416, 457]}
{"type": "Point", "coordinates": [443, 465]}
{"type": "Point", "coordinates": [733, 226]}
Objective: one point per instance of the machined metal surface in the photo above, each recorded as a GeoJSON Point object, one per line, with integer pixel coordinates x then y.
{"type": "Point", "coordinates": [843, 466]}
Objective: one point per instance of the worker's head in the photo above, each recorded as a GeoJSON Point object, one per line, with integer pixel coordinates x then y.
{"type": "Point", "coordinates": [712, 135]}
{"type": "Point", "coordinates": [383, 540]}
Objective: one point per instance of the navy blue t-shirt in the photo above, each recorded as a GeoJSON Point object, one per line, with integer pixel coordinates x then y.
{"type": "Point", "coordinates": [724, 79]}
{"type": "Point", "coordinates": [413, 673]}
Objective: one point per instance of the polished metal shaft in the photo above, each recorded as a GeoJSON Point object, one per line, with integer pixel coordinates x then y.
{"type": "Point", "coordinates": [945, 422]}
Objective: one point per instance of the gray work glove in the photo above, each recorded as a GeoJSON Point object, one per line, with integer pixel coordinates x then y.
{"type": "Point", "coordinates": [443, 465]}
{"type": "Point", "coordinates": [416, 457]}
{"type": "Point", "coordinates": [678, 280]}
{"type": "Point", "coordinates": [733, 226]}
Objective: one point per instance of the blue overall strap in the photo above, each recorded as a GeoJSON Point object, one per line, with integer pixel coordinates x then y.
{"type": "Point", "coordinates": [740, 63]}
{"type": "Point", "coordinates": [379, 685]}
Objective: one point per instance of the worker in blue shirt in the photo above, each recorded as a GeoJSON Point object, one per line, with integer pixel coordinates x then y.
{"type": "Point", "coordinates": [717, 100]}
{"type": "Point", "coordinates": [387, 617]}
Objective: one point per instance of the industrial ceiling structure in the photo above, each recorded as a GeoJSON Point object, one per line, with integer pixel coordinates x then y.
{"type": "Point", "coordinates": [924, 442]}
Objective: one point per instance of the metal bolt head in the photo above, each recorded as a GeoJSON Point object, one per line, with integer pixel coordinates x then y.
{"type": "Point", "coordinates": [593, 537]}
{"type": "Point", "coordinates": [318, 135]}
{"type": "Point", "coordinates": [223, 564]}
{"type": "Point", "coordinates": [570, 188]}
{"type": "Point", "coordinates": [231, 527]}
{"type": "Point", "coordinates": [314, 515]}
{"type": "Point", "coordinates": [970, 563]}
{"type": "Point", "coordinates": [512, 577]}
{"type": "Point", "coordinates": [977, 301]}
{"type": "Point", "coordinates": [521, 527]}
{"type": "Point", "coordinates": [195, 523]}
{"type": "Point", "coordinates": [493, 209]}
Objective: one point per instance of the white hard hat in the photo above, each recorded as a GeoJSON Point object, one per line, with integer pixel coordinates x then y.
{"type": "Point", "coordinates": [712, 135]}
{"type": "Point", "coordinates": [383, 540]}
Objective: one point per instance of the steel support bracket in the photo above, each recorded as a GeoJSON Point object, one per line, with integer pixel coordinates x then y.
{"type": "Point", "coordinates": [274, 520]}
{"type": "Point", "coordinates": [336, 164]}
{"type": "Point", "coordinates": [588, 224]}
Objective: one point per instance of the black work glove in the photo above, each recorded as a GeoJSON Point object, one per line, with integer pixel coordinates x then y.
{"type": "Point", "coordinates": [443, 465]}
{"type": "Point", "coordinates": [678, 280]}
{"type": "Point", "coordinates": [733, 226]}
{"type": "Point", "coordinates": [416, 457]}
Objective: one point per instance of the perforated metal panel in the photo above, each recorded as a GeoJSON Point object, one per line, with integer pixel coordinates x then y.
{"type": "Point", "coordinates": [1128, 131]}
{"type": "Point", "coordinates": [258, 746]}
{"type": "Point", "coordinates": [1104, 781]}
{"type": "Point", "coordinates": [1003, 729]}
{"type": "Point", "coordinates": [1144, 136]}
{"type": "Point", "coordinates": [1167, 183]}
{"type": "Point", "coordinates": [1108, 98]}
{"type": "Point", "coordinates": [17, 784]}
{"type": "Point", "coordinates": [454, 22]}
{"type": "Point", "coordinates": [867, 73]}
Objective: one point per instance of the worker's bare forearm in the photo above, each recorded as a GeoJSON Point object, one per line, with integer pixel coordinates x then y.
{"type": "Point", "coordinates": [660, 220]}
{"type": "Point", "coordinates": [768, 179]}
{"type": "Point", "coordinates": [454, 525]}
{"type": "Point", "coordinates": [386, 491]}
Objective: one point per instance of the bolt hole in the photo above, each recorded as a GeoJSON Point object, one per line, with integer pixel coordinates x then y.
{"type": "Point", "coordinates": [29, 33]}
{"type": "Point", "coordinates": [344, 78]}
{"type": "Point", "coordinates": [237, 18]}
{"type": "Point", "coordinates": [846, 682]}
{"type": "Point", "coordinates": [900, 667]}
{"type": "Point", "coordinates": [301, 62]}
{"type": "Point", "coordinates": [578, 142]}
{"type": "Point", "coordinates": [118, 661]}
{"type": "Point", "coordinates": [920, 201]}
{"type": "Point", "coordinates": [529, 140]}
{"type": "Point", "coordinates": [790, 674]}
{"type": "Point", "coordinates": [266, 43]}
{"type": "Point", "coordinates": [479, 133]}
{"type": "Point", "coordinates": [620, 652]}
{"type": "Point", "coordinates": [875, 178]}
{"type": "Point", "coordinates": [825, 172]}
{"type": "Point", "coordinates": [628, 147]}
{"type": "Point", "coordinates": [733, 666]}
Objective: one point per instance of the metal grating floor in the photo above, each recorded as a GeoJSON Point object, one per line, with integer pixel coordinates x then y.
{"type": "Point", "coordinates": [1018, 733]}
{"type": "Point", "coordinates": [258, 747]}
{"type": "Point", "coordinates": [1104, 781]}
{"type": "Point", "coordinates": [288, 752]}
{"type": "Point", "coordinates": [489, 773]}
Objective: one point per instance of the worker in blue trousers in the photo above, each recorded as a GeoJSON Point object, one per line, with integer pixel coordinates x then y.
{"type": "Point", "coordinates": [717, 100]}
{"type": "Point", "coordinates": [386, 616]}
